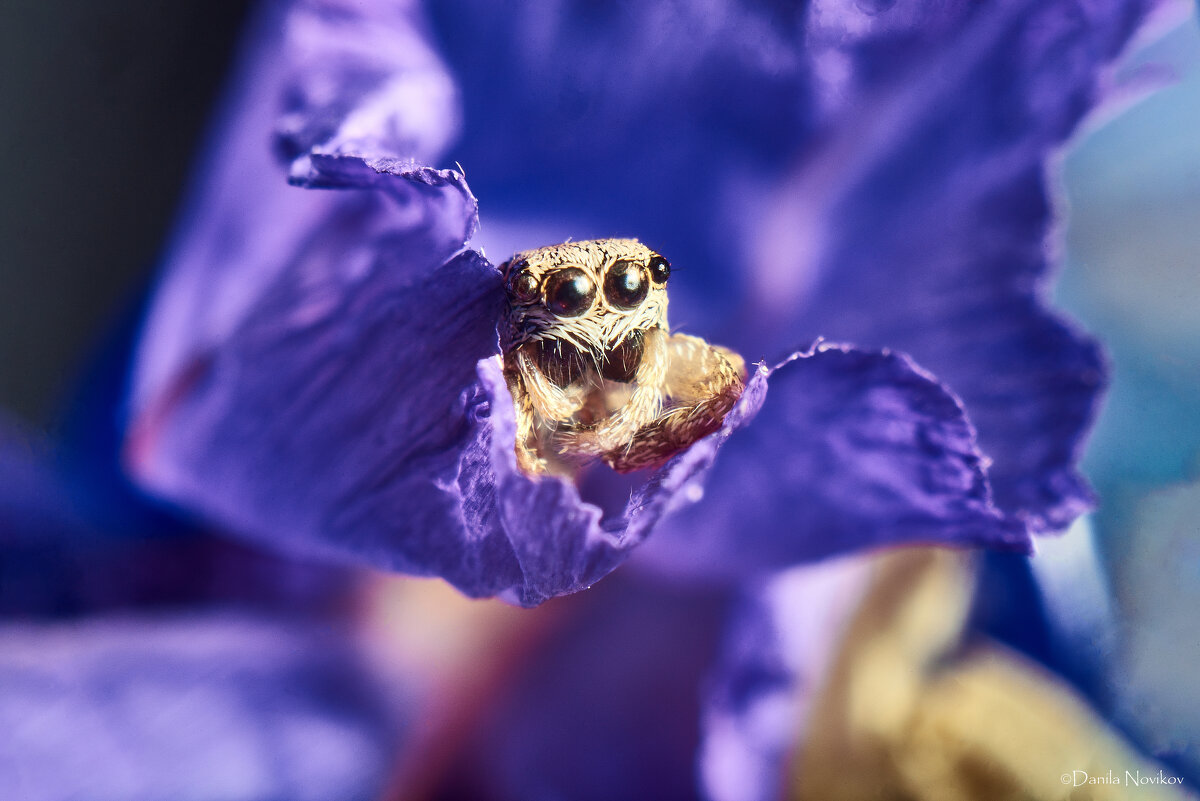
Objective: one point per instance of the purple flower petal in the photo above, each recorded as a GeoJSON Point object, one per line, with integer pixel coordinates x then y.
{"type": "Point", "coordinates": [363, 80]}
{"type": "Point", "coordinates": [923, 222]}
{"type": "Point", "coordinates": [309, 373]}
{"type": "Point", "coordinates": [771, 664]}
{"type": "Point", "coordinates": [852, 449]}
{"type": "Point", "coordinates": [189, 707]}
{"type": "Point", "coordinates": [355, 432]}
{"type": "Point", "coordinates": [345, 393]}
{"type": "Point", "coordinates": [358, 424]}
{"type": "Point", "coordinates": [244, 227]}
{"type": "Point", "coordinates": [59, 558]}
{"type": "Point", "coordinates": [917, 213]}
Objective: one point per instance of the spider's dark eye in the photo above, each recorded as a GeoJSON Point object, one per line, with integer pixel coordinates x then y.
{"type": "Point", "coordinates": [660, 269]}
{"type": "Point", "coordinates": [570, 292]}
{"type": "Point", "coordinates": [524, 287]}
{"type": "Point", "coordinates": [625, 286]}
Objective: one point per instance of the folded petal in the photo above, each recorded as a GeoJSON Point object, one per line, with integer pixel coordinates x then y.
{"type": "Point", "coordinates": [244, 227]}
{"type": "Point", "coordinates": [315, 372]}
{"type": "Point", "coordinates": [363, 80]}
{"type": "Point", "coordinates": [207, 706]}
{"type": "Point", "coordinates": [852, 449]}
{"type": "Point", "coordinates": [871, 172]}
{"type": "Point", "coordinates": [922, 220]}
{"type": "Point", "coordinates": [370, 431]}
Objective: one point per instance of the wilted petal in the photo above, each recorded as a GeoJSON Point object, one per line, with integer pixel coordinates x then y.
{"type": "Point", "coordinates": [852, 449]}
{"type": "Point", "coordinates": [923, 221]}
{"type": "Point", "coordinates": [189, 708]}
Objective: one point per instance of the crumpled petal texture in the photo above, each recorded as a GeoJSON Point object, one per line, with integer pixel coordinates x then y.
{"type": "Point", "coordinates": [188, 707]}
{"type": "Point", "coordinates": [346, 413]}
{"type": "Point", "coordinates": [871, 172]}
{"type": "Point", "coordinates": [852, 449]}
{"type": "Point", "coordinates": [928, 210]}
{"type": "Point", "coordinates": [316, 371]}
{"type": "Point", "coordinates": [348, 427]}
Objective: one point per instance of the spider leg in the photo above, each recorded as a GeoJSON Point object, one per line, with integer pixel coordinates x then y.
{"type": "Point", "coordinates": [551, 402]}
{"type": "Point", "coordinates": [644, 404]}
{"type": "Point", "coordinates": [702, 383]}
{"type": "Point", "coordinates": [528, 458]}
{"type": "Point", "coordinates": [540, 407]}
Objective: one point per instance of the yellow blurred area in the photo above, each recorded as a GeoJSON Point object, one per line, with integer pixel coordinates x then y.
{"type": "Point", "coordinates": [450, 653]}
{"type": "Point", "coordinates": [908, 713]}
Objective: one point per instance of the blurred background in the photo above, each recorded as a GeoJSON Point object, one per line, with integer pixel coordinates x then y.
{"type": "Point", "coordinates": [104, 108]}
{"type": "Point", "coordinates": [1132, 276]}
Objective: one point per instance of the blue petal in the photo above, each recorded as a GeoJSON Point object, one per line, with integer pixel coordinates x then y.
{"type": "Point", "coordinates": [923, 222]}
{"type": "Point", "coordinates": [208, 706]}
{"type": "Point", "coordinates": [852, 449]}
{"type": "Point", "coordinates": [356, 431]}
{"type": "Point", "coordinates": [362, 80]}
{"type": "Point", "coordinates": [771, 664]}
{"type": "Point", "coordinates": [308, 375]}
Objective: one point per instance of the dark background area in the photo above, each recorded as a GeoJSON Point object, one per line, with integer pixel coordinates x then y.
{"type": "Point", "coordinates": [103, 106]}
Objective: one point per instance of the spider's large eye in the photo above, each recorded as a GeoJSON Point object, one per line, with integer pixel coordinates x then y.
{"type": "Point", "coordinates": [570, 292]}
{"type": "Point", "coordinates": [625, 286]}
{"type": "Point", "coordinates": [660, 269]}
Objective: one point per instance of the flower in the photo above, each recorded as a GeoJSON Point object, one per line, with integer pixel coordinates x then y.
{"type": "Point", "coordinates": [316, 370]}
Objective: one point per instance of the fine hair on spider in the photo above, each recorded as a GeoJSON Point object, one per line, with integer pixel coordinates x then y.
{"type": "Point", "coordinates": [592, 366]}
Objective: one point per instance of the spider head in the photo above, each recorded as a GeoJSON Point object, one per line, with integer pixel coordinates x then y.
{"type": "Point", "coordinates": [586, 305]}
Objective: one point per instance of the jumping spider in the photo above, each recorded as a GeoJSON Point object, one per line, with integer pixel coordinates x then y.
{"type": "Point", "coordinates": [593, 370]}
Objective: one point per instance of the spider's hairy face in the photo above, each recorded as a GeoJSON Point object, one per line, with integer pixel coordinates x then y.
{"type": "Point", "coordinates": [585, 307]}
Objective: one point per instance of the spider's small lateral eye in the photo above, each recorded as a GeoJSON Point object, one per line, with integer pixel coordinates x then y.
{"type": "Point", "coordinates": [625, 286]}
{"type": "Point", "coordinates": [524, 287]}
{"type": "Point", "coordinates": [570, 292]}
{"type": "Point", "coordinates": [660, 269]}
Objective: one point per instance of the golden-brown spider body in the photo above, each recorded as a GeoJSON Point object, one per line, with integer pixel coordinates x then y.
{"type": "Point", "coordinates": [592, 367]}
